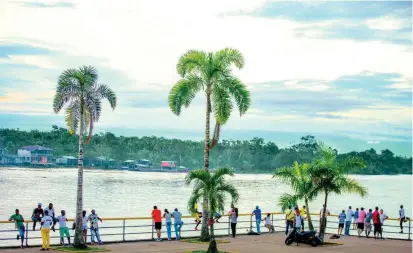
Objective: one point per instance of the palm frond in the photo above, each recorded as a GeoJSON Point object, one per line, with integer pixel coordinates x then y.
{"type": "Point", "coordinates": [191, 61]}
{"type": "Point", "coordinates": [228, 56]}
{"type": "Point", "coordinates": [103, 91]}
{"type": "Point", "coordinates": [287, 200]}
{"type": "Point", "coordinates": [229, 189]}
{"type": "Point", "coordinates": [72, 117]}
{"type": "Point", "coordinates": [88, 76]}
{"type": "Point", "coordinates": [222, 172]}
{"type": "Point", "coordinates": [183, 93]}
{"type": "Point", "coordinates": [221, 105]}
{"type": "Point", "coordinates": [199, 175]}
{"type": "Point", "coordinates": [239, 91]}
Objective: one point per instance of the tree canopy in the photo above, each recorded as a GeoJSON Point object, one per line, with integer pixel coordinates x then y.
{"type": "Point", "coordinates": [251, 156]}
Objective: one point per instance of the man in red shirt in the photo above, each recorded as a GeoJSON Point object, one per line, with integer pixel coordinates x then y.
{"type": "Point", "coordinates": [157, 219]}
{"type": "Point", "coordinates": [376, 222]}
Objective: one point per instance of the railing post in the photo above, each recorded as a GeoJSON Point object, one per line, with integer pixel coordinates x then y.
{"type": "Point", "coordinates": [123, 233]}
{"type": "Point", "coordinates": [409, 229]}
{"type": "Point", "coordinates": [251, 223]}
{"type": "Point", "coordinates": [229, 225]}
{"type": "Point", "coordinates": [272, 219]}
{"type": "Point", "coordinates": [27, 232]}
{"type": "Point", "coordinates": [152, 229]}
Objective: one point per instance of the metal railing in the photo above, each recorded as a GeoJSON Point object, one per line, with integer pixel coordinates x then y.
{"type": "Point", "coordinates": [129, 229]}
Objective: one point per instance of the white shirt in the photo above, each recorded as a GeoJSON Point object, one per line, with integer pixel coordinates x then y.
{"type": "Point", "coordinates": [383, 217]}
{"type": "Point", "coordinates": [62, 221]}
{"type": "Point", "coordinates": [401, 213]}
{"type": "Point", "coordinates": [349, 214]}
{"type": "Point", "coordinates": [50, 211]}
{"type": "Point", "coordinates": [94, 220]}
{"type": "Point", "coordinates": [267, 220]}
{"type": "Point", "coordinates": [84, 220]}
{"type": "Point", "coordinates": [298, 221]}
{"type": "Point", "coordinates": [327, 211]}
{"type": "Point", "coordinates": [47, 221]}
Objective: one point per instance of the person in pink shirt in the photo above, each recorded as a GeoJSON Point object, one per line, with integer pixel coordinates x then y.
{"type": "Point", "coordinates": [361, 220]}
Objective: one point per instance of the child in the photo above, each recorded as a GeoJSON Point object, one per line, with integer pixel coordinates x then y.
{"type": "Point", "coordinates": [268, 224]}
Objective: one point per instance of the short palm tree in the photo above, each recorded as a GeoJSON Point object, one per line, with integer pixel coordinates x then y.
{"type": "Point", "coordinates": [329, 175]}
{"type": "Point", "coordinates": [214, 188]}
{"type": "Point", "coordinates": [298, 178]}
{"type": "Point", "coordinates": [211, 73]}
{"type": "Point", "coordinates": [81, 95]}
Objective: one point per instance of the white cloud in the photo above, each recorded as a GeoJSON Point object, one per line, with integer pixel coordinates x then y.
{"type": "Point", "coordinates": [387, 23]}
{"type": "Point", "coordinates": [373, 142]}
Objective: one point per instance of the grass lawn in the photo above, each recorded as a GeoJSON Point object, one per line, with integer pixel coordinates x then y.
{"type": "Point", "coordinates": [71, 249]}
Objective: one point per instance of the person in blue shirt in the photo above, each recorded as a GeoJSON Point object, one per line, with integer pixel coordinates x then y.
{"type": "Point", "coordinates": [341, 221]}
{"type": "Point", "coordinates": [177, 223]}
{"type": "Point", "coordinates": [355, 218]}
{"type": "Point", "coordinates": [257, 213]}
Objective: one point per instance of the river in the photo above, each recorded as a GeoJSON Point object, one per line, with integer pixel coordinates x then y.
{"type": "Point", "coordinates": [127, 193]}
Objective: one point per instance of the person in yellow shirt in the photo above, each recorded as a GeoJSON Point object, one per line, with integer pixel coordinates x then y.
{"type": "Point", "coordinates": [303, 213]}
{"type": "Point", "coordinates": [198, 216]}
{"type": "Point", "coordinates": [289, 217]}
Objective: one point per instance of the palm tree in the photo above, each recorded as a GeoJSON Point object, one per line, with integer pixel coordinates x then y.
{"type": "Point", "coordinates": [215, 189]}
{"type": "Point", "coordinates": [210, 72]}
{"type": "Point", "coordinates": [298, 178]}
{"type": "Point", "coordinates": [78, 90]}
{"type": "Point", "coordinates": [329, 175]}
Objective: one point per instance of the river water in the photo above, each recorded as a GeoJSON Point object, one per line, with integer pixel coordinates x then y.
{"type": "Point", "coordinates": [128, 193]}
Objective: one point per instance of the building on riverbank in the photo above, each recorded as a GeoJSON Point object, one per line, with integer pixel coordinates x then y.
{"type": "Point", "coordinates": [35, 154]}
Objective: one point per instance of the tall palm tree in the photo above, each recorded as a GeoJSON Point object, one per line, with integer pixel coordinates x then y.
{"type": "Point", "coordinates": [298, 178]}
{"type": "Point", "coordinates": [81, 95]}
{"type": "Point", "coordinates": [210, 72]}
{"type": "Point", "coordinates": [215, 189]}
{"type": "Point", "coordinates": [329, 175]}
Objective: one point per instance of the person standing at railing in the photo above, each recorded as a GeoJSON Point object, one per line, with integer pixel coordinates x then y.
{"type": "Point", "coordinates": [257, 213]}
{"type": "Point", "coordinates": [177, 223]}
{"type": "Point", "coordinates": [268, 224]}
{"type": "Point", "coordinates": [360, 221]}
{"type": "Point", "coordinates": [402, 217]}
{"type": "Point", "coordinates": [297, 220]}
{"type": "Point", "coordinates": [157, 219]}
{"type": "Point", "coordinates": [376, 223]}
{"type": "Point", "coordinates": [369, 216]}
{"type": "Point", "coordinates": [233, 215]}
{"type": "Point", "coordinates": [341, 220]}
{"type": "Point", "coordinates": [37, 215]}
{"type": "Point", "coordinates": [355, 218]}
{"type": "Point", "coordinates": [324, 215]}
{"type": "Point", "coordinates": [94, 227]}
{"type": "Point", "coordinates": [289, 219]}
{"type": "Point", "coordinates": [63, 229]}
{"type": "Point", "coordinates": [383, 217]}
{"type": "Point", "coordinates": [51, 212]}
{"type": "Point", "coordinates": [46, 223]}
{"type": "Point", "coordinates": [18, 219]}
{"type": "Point", "coordinates": [349, 217]}
{"type": "Point", "coordinates": [303, 213]}
{"type": "Point", "coordinates": [168, 222]}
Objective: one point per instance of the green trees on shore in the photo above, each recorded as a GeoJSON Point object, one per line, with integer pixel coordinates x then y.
{"type": "Point", "coordinates": [215, 188]}
{"type": "Point", "coordinates": [211, 73]}
{"type": "Point", "coordinates": [78, 90]}
{"type": "Point", "coordinates": [253, 156]}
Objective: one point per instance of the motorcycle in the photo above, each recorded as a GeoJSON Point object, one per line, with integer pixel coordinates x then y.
{"type": "Point", "coordinates": [307, 237]}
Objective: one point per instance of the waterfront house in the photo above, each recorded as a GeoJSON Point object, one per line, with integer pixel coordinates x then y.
{"type": "Point", "coordinates": [35, 154]}
{"type": "Point", "coordinates": [67, 160]}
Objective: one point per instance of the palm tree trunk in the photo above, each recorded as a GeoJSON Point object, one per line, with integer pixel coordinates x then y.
{"type": "Point", "coordinates": [79, 239]}
{"type": "Point", "coordinates": [323, 220]}
{"type": "Point", "coordinates": [212, 248]}
{"type": "Point", "coordinates": [310, 223]}
{"type": "Point", "coordinates": [204, 230]}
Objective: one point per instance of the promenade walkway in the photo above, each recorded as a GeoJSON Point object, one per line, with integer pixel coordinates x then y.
{"type": "Point", "coordinates": [254, 244]}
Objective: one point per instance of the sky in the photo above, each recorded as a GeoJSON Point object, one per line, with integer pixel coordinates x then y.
{"type": "Point", "coordinates": [338, 70]}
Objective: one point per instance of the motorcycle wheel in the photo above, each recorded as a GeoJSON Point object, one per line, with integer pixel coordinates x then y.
{"type": "Point", "coordinates": [315, 242]}
{"type": "Point", "coordinates": [289, 241]}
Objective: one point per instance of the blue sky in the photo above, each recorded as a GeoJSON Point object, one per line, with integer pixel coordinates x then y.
{"type": "Point", "coordinates": [338, 70]}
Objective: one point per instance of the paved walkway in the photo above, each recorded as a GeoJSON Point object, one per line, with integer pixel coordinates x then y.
{"type": "Point", "coordinates": [263, 244]}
